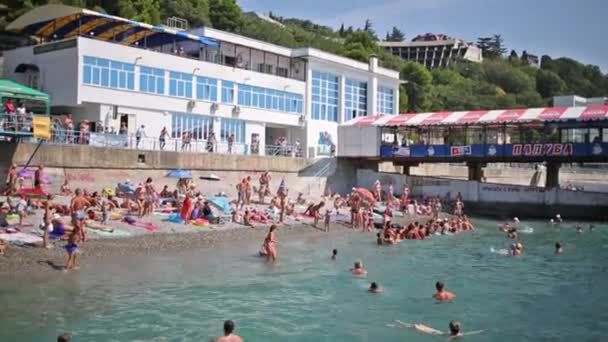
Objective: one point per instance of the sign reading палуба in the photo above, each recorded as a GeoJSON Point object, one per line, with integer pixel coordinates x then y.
{"type": "Point", "coordinates": [542, 150]}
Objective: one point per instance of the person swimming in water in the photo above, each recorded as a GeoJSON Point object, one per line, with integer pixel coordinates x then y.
{"type": "Point", "coordinates": [442, 294]}
{"type": "Point", "coordinates": [558, 218]}
{"type": "Point", "coordinates": [558, 248]}
{"type": "Point", "coordinates": [579, 229]}
{"type": "Point", "coordinates": [516, 249]}
{"type": "Point", "coordinates": [591, 227]}
{"type": "Point", "coordinates": [228, 334]}
{"type": "Point", "coordinates": [334, 254]}
{"type": "Point", "coordinates": [358, 270]}
{"type": "Point", "coordinates": [375, 288]}
{"type": "Point", "coordinates": [455, 329]}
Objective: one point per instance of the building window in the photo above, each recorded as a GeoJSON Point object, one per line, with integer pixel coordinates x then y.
{"type": "Point", "coordinates": [324, 96]}
{"type": "Point", "coordinates": [199, 125]}
{"type": "Point", "coordinates": [227, 92]}
{"type": "Point", "coordinates": [385, 101]}
{"type": "Point", "coordinates": [270, 99]}
{"type": "Point", "coordinates": [180, 84]}
{"type": "Point", "coordinates": [107, 73]}
{"type": "Point", "coordinates": [355, 99]}
{"type": "Point", "coordinates": [206, 88]}
{"type": "Point", "coordinates": [233, 126]}
{"type": "Point", "coordinates": [151, 80]}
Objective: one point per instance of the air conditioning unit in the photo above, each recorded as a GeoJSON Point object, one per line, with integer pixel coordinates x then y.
{"type": "Point", "coordinates": [236, 110]}
{"type": "Point", "coordinates": [214, 106]}
{"type": "Point", "coordinates": [191, 104]}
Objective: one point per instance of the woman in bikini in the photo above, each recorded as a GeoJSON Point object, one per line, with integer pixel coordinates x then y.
{"type": "Point", "coordinates": [140, 197]}
{"type": "Point", "coordinates": [150, 193]}
{"type": "Point", "coordinates": [270, 244]}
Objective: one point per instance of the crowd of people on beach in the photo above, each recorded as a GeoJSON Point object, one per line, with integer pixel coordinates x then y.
{"type": "Point", "coordinates": [375, 210]}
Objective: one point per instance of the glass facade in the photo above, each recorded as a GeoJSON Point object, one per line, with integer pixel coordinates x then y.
{"type": "Point", "coordinates": [355, 99]}
{"type": "Point", "coordinates": [180, 84]}
{"type": "Point", "coordinates": [227, 92]}
{"type": "Point", "coordinates": [233, 126]}
{"type": "Point", "coordinates": [107, 73]}
{"type": "Point", "coordinates": [385, 101]}
{"type": "Point", "coordinates": [206, 88]}
{"type": "Point", "coordinates": [152, 80]}
{"type": "Point", "coordinates": [199, 125]}
{"type": "Point", "coordinates": [324, 96]}
{"type": "Point", "coordinates": [264, 98]}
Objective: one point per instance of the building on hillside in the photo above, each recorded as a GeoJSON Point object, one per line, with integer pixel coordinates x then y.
{"type": "Point", "coordinates": [119, 72]}
{"type": "Point", "coordinates": [434, 50]}
{"type": "Point", "coordinates": [578, 101]}
{"type": "Point", "coordinates": [531, 60]}
{"type": "Point", "coordinates": [264, 17]}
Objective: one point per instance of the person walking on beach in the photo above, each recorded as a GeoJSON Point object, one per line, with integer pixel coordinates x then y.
{"type": "Point", "coordinates": [71, 248]}
{"type": "Point", "coordinates": [327, 219]}
{"type": "Point", "coordinates": [11, 180]}
{"type": "Point", "coordinates": [270, 244]}
{"type": "Point", "coordinates": [228, 334]}
{"type": "Point", "coordinates": [47, 221]}
{"type": "Point", "coordinates": [38, 178]}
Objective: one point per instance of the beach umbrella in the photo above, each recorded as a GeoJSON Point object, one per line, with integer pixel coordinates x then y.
{"type": "Point", "coordinates": [365, 194]}
{"type": "Point", "coordinates": [211, 177]}
{"type": "Point", "coordinates": [179, 173]}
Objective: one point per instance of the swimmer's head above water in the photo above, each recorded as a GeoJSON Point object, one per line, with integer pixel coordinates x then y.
{"type": "Point", "coordinates": [454, 328]}
{"type": "Point", "coordinates": [439, 286]}
{"type": "Point", "coordinates": [358, 265]}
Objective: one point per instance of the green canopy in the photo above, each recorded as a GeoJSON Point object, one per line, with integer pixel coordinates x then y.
{"type": "Point", "coordinates": [18, 91]}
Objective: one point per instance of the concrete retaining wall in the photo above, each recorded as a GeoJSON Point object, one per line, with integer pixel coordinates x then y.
{"type": "Point", "coordinates": [83, 156]}
{"type": "Point", "coordinates": [499, 199]}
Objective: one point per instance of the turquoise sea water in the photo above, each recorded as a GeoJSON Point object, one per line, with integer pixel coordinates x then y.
{"type": "Point", "coordinates": [539, 296]}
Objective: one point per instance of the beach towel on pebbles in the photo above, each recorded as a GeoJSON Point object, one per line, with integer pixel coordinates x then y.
{"type": "Point", "coordinates": [21, 238]}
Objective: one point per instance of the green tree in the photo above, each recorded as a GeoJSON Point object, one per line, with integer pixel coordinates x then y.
{"type": "Point", "coordinates": [365, 38]}
{"type": "Point", "coordinates": [195, 11]}
{"type": "Point", "coordinates": [225, 14]}
{"type": "Point", "coordinates": [260, 29]}
{"type": "Point", "coordinates": [147, 11]}
{"type": "Point", "coordinates": [342, 31]}
{"type": "Point", "coordinates": [418, 86]}
{"type": "Point", "coordinates": [369, 28]}
{"type": "Point", "coordinates": [549, 84]}
{"type": "Point", "coordinates": [511, 80]}
{"type": "Point", "coordinates": [484, 44]}
{"type": "Point", "coordinates": [403, 100]}
{"type": "Point", "coordinates": [396, 35]}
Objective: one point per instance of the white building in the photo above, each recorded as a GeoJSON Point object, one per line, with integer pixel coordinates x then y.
{"type": "Point", "coordinates": [578, 101]}
{"type": "Point", "coordinates": [434, 50]}
{"type": "Point", "coordinates": [104, 68]}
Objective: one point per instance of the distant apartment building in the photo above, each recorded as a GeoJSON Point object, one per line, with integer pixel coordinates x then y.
{"type": "Point", "coordinates": [435, 50]}
{"type": "Point", "coordinates": [578, 101]}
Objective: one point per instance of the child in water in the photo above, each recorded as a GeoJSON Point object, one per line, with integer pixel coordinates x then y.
{"type": "Point", "coordinates": [71, 262]}
{"type": "Point", "coordinates": [327, 219]}
{"type": "Point", "coordinates": [375, 288]}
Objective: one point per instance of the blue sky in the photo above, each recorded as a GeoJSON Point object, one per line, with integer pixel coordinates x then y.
{"type": "Point", "coordinates": [571, 28]}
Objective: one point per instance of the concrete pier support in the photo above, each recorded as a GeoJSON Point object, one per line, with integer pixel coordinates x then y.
{"type": "Point", "coordinates": [476, 171]}
{"type": "Point", "coordinates": [552, 175]}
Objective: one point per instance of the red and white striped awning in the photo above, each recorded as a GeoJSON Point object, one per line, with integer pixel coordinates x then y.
{"type": "Point", "coordinates": [599, 112]}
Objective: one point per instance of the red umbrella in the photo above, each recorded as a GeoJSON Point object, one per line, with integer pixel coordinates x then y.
{"type": "Point", "coordinates": [365, 195]}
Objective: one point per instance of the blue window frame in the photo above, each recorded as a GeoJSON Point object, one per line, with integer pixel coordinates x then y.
{"type": "Point", "coordinates": [180, 84]}
{"type": "Point", "coordinates": [385, 100]}
{"type": "Point", "coordinates": [355, 99]}
{"type": "Point", "coordinates": [324, 96]}
{"type": "Point", "coordinates": [269, 99]}
{"type": "Point", "coordinates": [151, 80]}
{"type": "Point", "coordinates": [199, 125]}
{"type": "Point", "coordinates": [233, 126]}
{"type": "Point", "coordinates": [107, 73]}
{"type": "Point", "coordinates": [206, 88]}
{"type": "Point", "coordinates": [227, 92]}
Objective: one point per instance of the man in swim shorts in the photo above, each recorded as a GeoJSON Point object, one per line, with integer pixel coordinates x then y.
{"type": "Point", "coordinates": [47, 221]}
{"type": "Point", "coordinates": [78, 208]}
{"type": "Point", "coordinates": [228, 335]}
{"type": "Point", "coordinates": [442, 294]}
